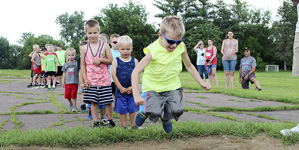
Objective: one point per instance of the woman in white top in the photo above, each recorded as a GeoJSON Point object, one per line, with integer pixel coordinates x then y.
{"type": "Point", "coordinates": [229, 59]}
{"type": "Point", "coordinates": [200, 63]}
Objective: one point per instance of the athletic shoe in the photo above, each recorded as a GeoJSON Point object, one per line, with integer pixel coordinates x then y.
{"type": "Point", "coordinates": [74, 109]}
{"type": "Point", "coordinates": [134, 127]}
{"type": "Point", "coordinates": [140, 118]}
{"type": "Point", "coordinates": [258, 89]}
{"type": "Point", "coordinates": [104, 122]}
{"type": "Point", "coordinates": [110, 124]}
{"type": "Point", "coordinates": [125, 128]}
{"type": "Point", "coordinates": [49, 89]}
{"type": "Point", "coordinates": [53, 89]}
{"type": "Point", "coordinates": [35, 87]}
{"type": "Point", "coordinates": [95, 125]}
{"type": "Point", "coordinates": [29, 86]}
{"type": "Point", "coordinates": [289, 132]}
{"type": "Point", "coordinates": [41, 86]}
{"type": "Point", "coordinates": [89, 114]}
{"type": "Point", "coordinates": [83, 108]}
{"type": "Point", "coordinates": [70, 107]}
{"type": "Point", "coordinates": [167, 126]}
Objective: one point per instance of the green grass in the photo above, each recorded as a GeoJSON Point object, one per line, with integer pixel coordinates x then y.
{"type": "Point", "coordinates": [14, 74]}
{"type": "Point", "coordinates": [81, 137]}
{"type": "Point", "coordinates": [276, 86]}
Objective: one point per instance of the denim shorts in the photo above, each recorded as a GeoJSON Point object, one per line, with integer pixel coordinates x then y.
{"type": "Point", "coordinates": [229, 65]}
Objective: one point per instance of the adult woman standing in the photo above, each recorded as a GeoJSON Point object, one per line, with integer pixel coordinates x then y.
{"type": "Point", "coordinates": [229, 58]}
{"type": "Point", "coordinates": [211, 61]}
{"type": "Point", "coordinates": [200, 62]}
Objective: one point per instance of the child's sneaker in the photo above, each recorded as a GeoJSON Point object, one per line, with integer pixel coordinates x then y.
{"type": "Point", "coordinates": [70, 107]}
{"type": "Point", "coordinates": [53, 88]}
{"type": "Point", "coordinates": [29, 86]}
{"type": "Point", "coordinates": [83, 108]}
{"type": "Point", "coordinates": [140, 118]}
{"type": "Point", "coordinates": [34, 87]}
{"type": "Point", "coordinates": [289, 132]}
{"type": "Point", "coordinates": [74, 109]}
{"type": "Point", "coordinates": [49, 89]}
{"type": "Point", "coordinates": [95, 125]}
{"type": "Point", "coordinates": [104, 122]}
{"type": "Point", "coordinates": [134, 127]}
{"type": "Point", "coordinates": [167, 126]}
{"type": "Point", "coordinates": [110, 124]}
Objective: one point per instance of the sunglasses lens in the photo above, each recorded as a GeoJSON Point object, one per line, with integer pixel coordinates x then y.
{"type": "Point", "coordinates": [171, 42]}
{"type": "Point", "coordinates": [114, 42]}
{"type": "Point", "coordinates": [178, 42]}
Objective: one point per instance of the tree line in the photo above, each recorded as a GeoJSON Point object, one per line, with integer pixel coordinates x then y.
{"type": "Point", "coordinates": [270, 40]}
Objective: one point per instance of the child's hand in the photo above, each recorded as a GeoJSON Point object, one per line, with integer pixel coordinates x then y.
{"type": "Point", "coordinates": [63, 85]}
{"type": "Point", "coordinates": [240, 80]}
{"type": "Point", "coordinates": [138, 100]}
{"type": "Point", "coordinates": [97, 61]}
{"type": "Point", "coordinates": [86, 83]}
{"type": "Point", "coordinates": [123, 90]}
{"type": "Point", "coordinates": [206, 86]}
{"type": "Point", "coordinates": [129, 90]}
{"type": "Point", "coordinates": [82, 86]}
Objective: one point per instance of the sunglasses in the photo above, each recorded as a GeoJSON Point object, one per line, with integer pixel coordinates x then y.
{"type": "Point", "coordinates": [171, 42]}
{"type": "Point", "coordinates": [115, 42]}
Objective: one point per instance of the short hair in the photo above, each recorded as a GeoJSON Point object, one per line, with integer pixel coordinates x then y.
{"type": "Point", "coordinates": [70, 50]}
{"type": "Point", "coordinates": [201, 42]}
{"type": "Point", "coordinates": [125, 39]}
{"type": "Point", "coordinates": [90, 24]}
{"type": "Point", "coordinates": [50, 48]}
{"type": "Point", "coordinates": [173, 24]}
{"type": "Point", "coordinates": [106, 36]}
{"type": "Point", "coordinates": [114, 36]}
{"type": "Point", "coordinates": [103, 38]}
{"type": "Point", "coordinates": [35, 46]}
{"type": "Point", "coordinates": [210, 39]}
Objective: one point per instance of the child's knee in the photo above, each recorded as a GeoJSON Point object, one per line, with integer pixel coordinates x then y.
{"type": "Point", "coordinates": [177, 113]}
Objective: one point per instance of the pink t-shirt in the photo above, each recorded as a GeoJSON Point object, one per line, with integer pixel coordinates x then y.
{"type": "Point", "coordinates": [96, 75]}
{"type": "Point", "coordinates": [209, 55]}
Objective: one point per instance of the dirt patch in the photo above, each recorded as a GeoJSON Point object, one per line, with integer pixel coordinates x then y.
{"type": "Point", "coordinates": [201, 143]}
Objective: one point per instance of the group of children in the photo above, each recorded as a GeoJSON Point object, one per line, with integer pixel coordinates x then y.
{"type": "Point", "coordinates": [162, 94]}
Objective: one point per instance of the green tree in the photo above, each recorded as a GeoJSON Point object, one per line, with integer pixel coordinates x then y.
{"type": "Point", "coordinates": [72, 28]}
{"type": "Point", "coordinates": [283, 32]}
{"type": "Point", "coordinates": [170, 7]}
{"type": "Point", "coordinates": [24, 36]}
{"type": "Point", "coordinates": [4, 48]}
{"type": "Point", "coordinates": [131, 20]}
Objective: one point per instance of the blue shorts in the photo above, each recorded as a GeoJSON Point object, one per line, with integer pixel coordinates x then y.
{"type": "Point", "coordinates": [125, 104]}
{"type": "Point", "coordinates": [99, 106]}
{"type": "Point", "coordinates": [229, 65]}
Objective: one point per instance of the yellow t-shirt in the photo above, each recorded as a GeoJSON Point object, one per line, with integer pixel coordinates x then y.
{"type": "Point", "coordinates": [162, 73]}
{"type": "Point", "coordinates": [42, 61]}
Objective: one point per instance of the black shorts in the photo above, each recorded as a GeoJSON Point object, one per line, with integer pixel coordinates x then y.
{"type": "Point", "coordinates": [245, 84]}
{"type": "Point", "coordinates": [59, 71]}
{"type": "Point", "coordinates": [113, 88]}
{"type": "Point", "coordinates": [51, 73]}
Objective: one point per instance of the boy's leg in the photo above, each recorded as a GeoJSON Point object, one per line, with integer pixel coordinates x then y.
{"type": "Point", "coordinates": [74, 102]}
{"type": "Point", "coordinates": [132, 118]}
{"type": "Point", "coordinates": [140, 115]}
{"type": "Point", "coordinates": [123, 120]}
{"type": "Point", "coordinates": [49, 81]}
{"type": "Point", "coordinates": [94, 112]}
{"type": "Point", "coordinates": [53, 82]}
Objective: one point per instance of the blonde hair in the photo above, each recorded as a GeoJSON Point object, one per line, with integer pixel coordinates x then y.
{"type": "Point", "coordinates": [70, 50]}
{"type": "Point", "coordinates": [35, 46]}
{"type": "Point", "coordinates": [173, 24]}
{"type": "Point", "coordinates": [114, 36]}
{"type": "Point", "coordinates": [90, 24]}
{"type": "Point", "coordinates": [50, 49]}
{"type": "Point", "coordinates": [125, 39]}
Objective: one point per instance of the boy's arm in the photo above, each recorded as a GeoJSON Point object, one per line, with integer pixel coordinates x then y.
{"type": "Point", "coordinates": [136, 76]}
{"type": "Point", "coordinates": [192, 70]}
{"type": "Point", "coordinates": [129, 89]}
{"type": "Point", "coordinates": [83, 68]}
{"type": "Point", "coordinates": [30, 55]}
{"type": "Point", "coordinates": [115, 78]}
{"type": "Point", "coordinates": [32, 59]}
{"type": "Point", "coordinates": [63, 79]}
{"type": "Point", "coordinates": [56, 67]}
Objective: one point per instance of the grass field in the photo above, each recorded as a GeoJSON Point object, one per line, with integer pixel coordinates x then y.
{"type": "Point", "coordinates": [279, 86]}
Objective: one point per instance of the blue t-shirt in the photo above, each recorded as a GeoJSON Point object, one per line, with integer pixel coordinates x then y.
{"type": "Point", "coordinates": [123, 73]}
{"type": "Point", "coordinates": [115, 54]}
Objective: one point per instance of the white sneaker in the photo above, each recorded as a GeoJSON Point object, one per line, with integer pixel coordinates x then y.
{"type": "Point", "coordinates": [74, 109]}
{"type": "Point", "coordinates": [288, 132]}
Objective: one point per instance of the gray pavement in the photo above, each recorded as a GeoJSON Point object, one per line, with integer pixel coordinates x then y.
{"type": "Point", "coordinates": [30, 105]}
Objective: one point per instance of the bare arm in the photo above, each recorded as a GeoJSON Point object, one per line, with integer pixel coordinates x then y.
{"type": "Point", "coordinates": [237, 47]}
{"type": "Point", "coordinates": [83, 67]}
{"type": "Point", "coordinates": [222, 48]}
{"type": "Point", "coordinates": [63, 79]}
{"type": "Point", "coordinates": [195, 47]}
{"type": "Point", "coordinates": [192, 70]}
{"type": "Point", "coordinates": [214, 54]}
{"type": "Point", "coordinates": [240, 75]}
{"type": "Point", "coordinates": [32, 59]}
{"type": "Point", "coordinates": [129, 89]}
{"type": "Point", "coordinates": [136, 76]}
